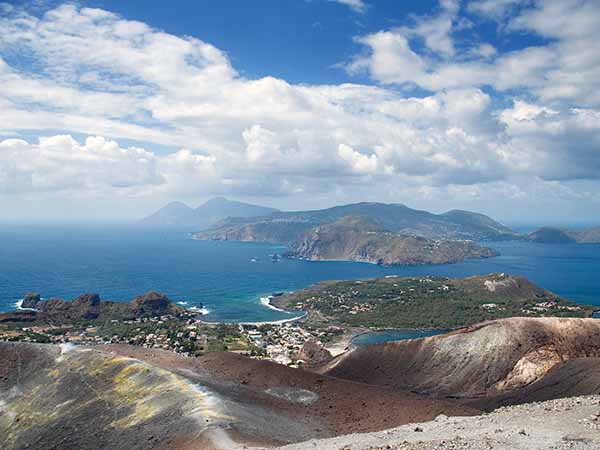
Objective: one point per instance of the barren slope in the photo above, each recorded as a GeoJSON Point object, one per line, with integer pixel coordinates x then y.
{"type": "Point", "coordinates": [566, 424]}
{"type": "Point", "coordinates": [121, 397]}
{"type": "Point", "coordinates": [502, 361]}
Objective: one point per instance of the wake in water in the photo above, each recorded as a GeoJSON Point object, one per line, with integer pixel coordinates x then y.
{"type": "Point", "coordinates": [266, 301]}
{"type": "Point", "coordinates": [19, 306]}
{"type": "Point", "coordinates": [203, 311]}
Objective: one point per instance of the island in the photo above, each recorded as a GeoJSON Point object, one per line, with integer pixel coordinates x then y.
{"type": "Point", "coordinates": [553, 235]}
{"type": "Point", "coordinates": [285, 227]}
{"type": "Point", "coordinates": [351, 238]}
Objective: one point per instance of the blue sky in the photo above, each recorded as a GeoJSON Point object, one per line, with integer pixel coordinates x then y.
{"type": "Point", "coordinates": [109, 109]}
{"type": "Point", "coordinates": [299, 41]}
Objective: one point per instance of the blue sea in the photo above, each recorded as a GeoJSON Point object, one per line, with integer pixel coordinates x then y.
{"type": "Point", "coordinates": [229, 278]}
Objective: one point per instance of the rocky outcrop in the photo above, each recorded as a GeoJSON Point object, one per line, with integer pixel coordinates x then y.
{"type": "Point", "coordinates": [90, 307]}
{"type": "Point", "coordinates": [359, 239]}
{"type": "Point", "coordinates": [313, 353]}
{"type": "Point", "coordinates": [30, 300]}
{"type": "Point", "coordinates": [151, 304]}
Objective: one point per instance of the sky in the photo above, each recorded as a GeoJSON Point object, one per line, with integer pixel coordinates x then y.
{"type": "Point", "coordinates": [110, 109]}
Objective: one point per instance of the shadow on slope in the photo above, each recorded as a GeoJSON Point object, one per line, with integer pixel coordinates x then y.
{"type": "Point", "coordinates": [500, 362]}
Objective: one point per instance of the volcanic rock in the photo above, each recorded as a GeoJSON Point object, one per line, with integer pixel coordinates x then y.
{"type": "Point", "coordinates": [151, 304]}
{"type": "Point", "coordinates": [30, 300]}
{"type": "Point", "coordinates": [313, 354]}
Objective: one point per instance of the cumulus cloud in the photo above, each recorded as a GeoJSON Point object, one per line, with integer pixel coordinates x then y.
{"type": "Point", "coordinates": [97, 74]}
{"type": "Point", "coordinates": [358, 162]}
{"type": "Point", "coordinates": [60, 163]}
{"type": "Point", "coordinates": [567, 68]}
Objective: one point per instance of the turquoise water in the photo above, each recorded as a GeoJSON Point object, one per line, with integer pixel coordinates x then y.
{"type": "Point", "coordinates": [377, 337]}
{"type": "Point", "coordinates": [120, 263]}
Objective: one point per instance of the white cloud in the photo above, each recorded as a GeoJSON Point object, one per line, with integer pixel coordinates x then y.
{"type": "Point", "coordinates": [391, 59]}
{"type": "Point", "coordinates": [565, 69]}
{"type": "Point", "coordinates": [496, 9]}
{"type": "Point", "coordinates": [358, 6]}
{"type": "Point", "coordinates": [359, 162]}
{"type": "Point", "coordinates": [96, 74]}
{"type": "Point", "coordinates": [62, 164]}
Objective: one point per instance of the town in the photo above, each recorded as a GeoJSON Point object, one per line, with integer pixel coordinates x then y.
{"type": "Point", "coordinates": [185, 334]}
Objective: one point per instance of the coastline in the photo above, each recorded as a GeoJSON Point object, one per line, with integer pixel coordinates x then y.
{"type": "Point", "coordinates": [267, 302]}
{"type": "Point", "coordinates": [19, 306]}
{"type": "Point", "coordinates": [267, 322]}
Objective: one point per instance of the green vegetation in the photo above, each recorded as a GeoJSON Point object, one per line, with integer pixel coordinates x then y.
{"type": "Point", "coordinates": [427, 302]}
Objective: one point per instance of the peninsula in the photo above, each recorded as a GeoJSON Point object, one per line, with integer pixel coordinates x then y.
{"type": "Point", "coordinates": [427, 302]}
{"type": "Point", "coordinates": [359, 239]}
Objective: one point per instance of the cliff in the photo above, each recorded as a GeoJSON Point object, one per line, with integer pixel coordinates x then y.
{"type": "Point", "coordinates": [358, 239]}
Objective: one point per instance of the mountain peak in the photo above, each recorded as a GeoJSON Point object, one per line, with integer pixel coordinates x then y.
{"type": "Point", "coordinates": [175, 205]}
{"type": "Point", "coordinates": [216, 201]}
{"type": "Point", "coordinates": [178, 214]}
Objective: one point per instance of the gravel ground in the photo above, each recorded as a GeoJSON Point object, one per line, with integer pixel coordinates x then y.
{"type": "Point", "coordinates": [569, 423]}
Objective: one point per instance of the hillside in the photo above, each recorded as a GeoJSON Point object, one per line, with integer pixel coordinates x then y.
{"type": "Point", "coordinates": [505, 361]}
{"type": "Point", "coordinates": [551, 235]}
{"type": "Point", "coordinates": [591, 235]}
{"type": "Point", "coordinates": [177, 214]}
{"type": "Point", "coordinates": [355, 238]}
{"type": "Point", "coordinates": [548, 235]}
{"type": "Point", "coordinates": [285, 227]}
{"type": "Point", "coordinates": [131, 398]}
{"type": "Point", "coordinates": [427, 302]}
{"type": "Point", "coordinates": [564, 424]}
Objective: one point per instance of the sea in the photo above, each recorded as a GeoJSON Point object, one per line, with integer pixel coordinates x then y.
{"type": "Point", "coordinates": [229, 279]}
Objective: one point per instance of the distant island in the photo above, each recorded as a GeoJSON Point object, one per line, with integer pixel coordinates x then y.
{"type": "Point", "coordinates": [553, 235]}
{"type": "Point", "coordinates": [178, 214]}
{"type": "Point", "coordinates": [285, 227]}
{"type": "Point", "coordinates": [403, 235]}
{"type": "Point", "coordinates": [369, 232]}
